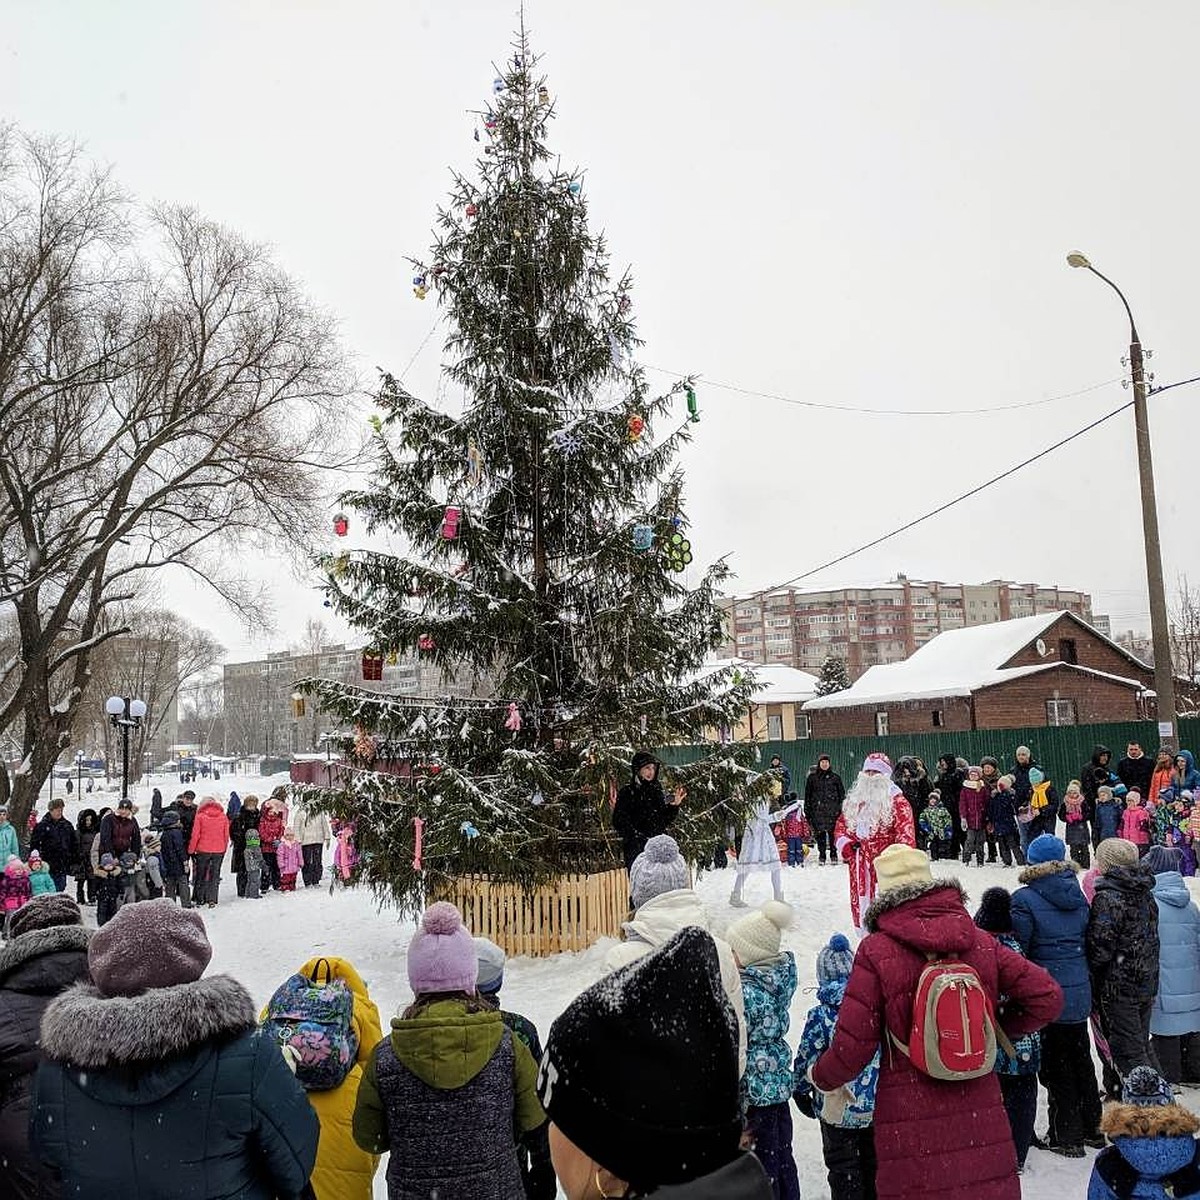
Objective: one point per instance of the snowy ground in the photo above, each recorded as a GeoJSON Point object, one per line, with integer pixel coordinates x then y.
{"type": "Point", "coordinates": [262, 942]}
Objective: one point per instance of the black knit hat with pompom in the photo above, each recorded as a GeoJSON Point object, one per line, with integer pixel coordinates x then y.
{"type": "Point", "coordinates": [994, 914]}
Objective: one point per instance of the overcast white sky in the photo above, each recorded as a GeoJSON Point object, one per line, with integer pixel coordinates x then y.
{"type": "Point", "coordinates": [856, 203]}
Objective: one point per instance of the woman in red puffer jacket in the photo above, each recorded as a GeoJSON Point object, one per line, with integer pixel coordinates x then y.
{"type": "Point", "coordinates": [936, 1139]}
{"type": "Point", "coordinates": [207, 846]}
{"type": "Point", "coordinates": [270, 831]}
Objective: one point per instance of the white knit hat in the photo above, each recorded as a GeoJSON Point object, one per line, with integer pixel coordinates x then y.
{"type": "Point", "coordinates": [755, 937]}
{"type": "Point", "coordinates": [900, 865]}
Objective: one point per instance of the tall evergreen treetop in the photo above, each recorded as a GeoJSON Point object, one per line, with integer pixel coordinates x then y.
{"type": "Point", "coordinates": [540, 524]}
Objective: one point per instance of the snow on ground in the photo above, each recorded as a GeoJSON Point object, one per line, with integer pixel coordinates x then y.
{"type": "Point", "coordinates": [262, 942]}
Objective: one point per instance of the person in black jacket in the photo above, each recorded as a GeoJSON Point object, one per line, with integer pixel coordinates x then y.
{"type": "Point", "coordinates": [87, 828]}
{"type": "Point", "coordinates": [174, 860]}
{"type": "Point", "coordinates": [54, 839]}
{"type": "Point", "coordinates": [119, 833]}
{"type": "Point", "coordinates": [1136, 770]}
{"type": "Point", "coordinates": [45, 954]}
{"type": "Point", "coordinates": [823, 796]}
{"type": "Point", "coordinates": [156, 807]}
{"type": "Point", "coordinates": [185, 806]}
{"type": "Point", "coordinates": [949, 782]}
{"type": "Point", "coordinates": [1122, 956]}
{"type": "Point", "coordinates": [246, 819]}
{"type": "Point", "coordinates": [912, 779]}
{"type": "Point", "coordinates": [642, 810]}
{"type": "Point", "coordinates": [1022, 788]}
{"type": "Point", "coordinates": [1094, 774]}
{"type": "Point", "coordinates": [181, 1093]}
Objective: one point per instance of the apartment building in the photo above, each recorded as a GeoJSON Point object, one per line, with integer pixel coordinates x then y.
{"type": "Point", "coordinates": [259, 714]}
{"type": "Point", "coordinates": [872, 624]}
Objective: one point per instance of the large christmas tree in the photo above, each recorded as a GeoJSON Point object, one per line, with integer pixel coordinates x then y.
{"type": "Point", "coordinates": [547, 553]}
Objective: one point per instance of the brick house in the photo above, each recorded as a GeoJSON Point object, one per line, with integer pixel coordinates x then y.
{"type": "Point", "coordinates": [1048, 669]}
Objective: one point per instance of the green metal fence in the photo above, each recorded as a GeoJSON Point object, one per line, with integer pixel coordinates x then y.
{"type": "Point", "coordinates": [1061, 751]}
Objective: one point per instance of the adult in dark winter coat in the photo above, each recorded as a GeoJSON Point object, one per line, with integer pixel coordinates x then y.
{"type": "Point", "coordinates": [1136, 769]}
{"type": "Point", "coordinates": [54, 839]}
{"type": "Point", "coordinates": [156, 807]}
{"type": "Point", "coordinates": [185, 806]}
{"type": "Point", "coordinates": [824, 792]}
{"type": "Point", "coordinates": [924, 1146]}
{"type": "Point", "coordinates": [643, 810]}
{"type": "Point", "coordinates": [1049, 918]}
{"type": "Point", "coordinates": [950, 779]}
{"type": "Point", "coordinates": [1022, 787]}
{"type": "Point", "coordinates": [87, 829]}
{"type": "Point", "coordinates": [246, 819]}
{"type": "Point", "coordinates": [640, 1082]}
{"type": "Point", "coordinates": [157, 1083]}
{"type": "Point", "coordinates": [1095, 772]}
{"type": "Point", "coordinates": [119, 833]}
{"type": "Point", "coordinates": [912, 779]}
{"type": "Point", "coordinates": [45, 954]}
{"type": "Point", "coordinates": [1122, 951]}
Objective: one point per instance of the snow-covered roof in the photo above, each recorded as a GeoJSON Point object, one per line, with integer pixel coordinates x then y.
{"type": "Point", "coordinates": [961, 661]}
{"type": "Point", "coordinates": [776, 682]}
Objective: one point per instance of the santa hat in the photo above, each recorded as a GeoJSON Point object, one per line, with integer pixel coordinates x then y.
{"type": "Point", "coordinates": [877, 763]}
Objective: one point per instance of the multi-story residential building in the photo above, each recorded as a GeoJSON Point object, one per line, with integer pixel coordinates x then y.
{"type": "Point", "coordinates": [869, 625]}
{"type": "Point", "coordinates": [259, 713]}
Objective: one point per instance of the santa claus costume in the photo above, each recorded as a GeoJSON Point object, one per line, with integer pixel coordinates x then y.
{"type": "Point", "coordinates": [875, 815]}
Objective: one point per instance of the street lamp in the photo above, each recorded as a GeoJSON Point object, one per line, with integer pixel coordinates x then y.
{"type": "Point", "coordinates": [79, 772]}
{"type": "Point", "coordinates": [1164, 678]}
{"type": "Point", "coordinates": [126, 715]}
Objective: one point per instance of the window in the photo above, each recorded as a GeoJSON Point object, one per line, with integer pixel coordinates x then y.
{"type": "Point", "coordinates": [774, 728]}
{"type": "Point", "coordinates": [1060, 712]}
{"type": "Point", "coordinates": [939, 718]}
{"type": "Point", "coordinates": [1067, 651]}
{"type": "Point", "coordinates": [881, 724]}
{"type": "Point", "coordinates": [803, 728]}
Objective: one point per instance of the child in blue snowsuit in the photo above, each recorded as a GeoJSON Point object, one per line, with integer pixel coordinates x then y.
{"type": "Point", "coordinates": [1018, 1072]}
{"type": "Point", "coordinates": [768, 985]}
{"type": "Point", "coordinates": [1154, 1154]}
{"type": "Point", "coordinates": [847, 1139]}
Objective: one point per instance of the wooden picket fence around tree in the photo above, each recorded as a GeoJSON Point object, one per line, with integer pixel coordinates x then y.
{"type": "Point", "coordinates": [571, 913]}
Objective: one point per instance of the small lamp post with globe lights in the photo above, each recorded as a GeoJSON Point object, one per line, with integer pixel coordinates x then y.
{"type": "Point", "coordinates": [126, 715]}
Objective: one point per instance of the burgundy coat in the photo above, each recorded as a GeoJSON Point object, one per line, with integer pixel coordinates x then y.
{"type": "Point", "coordinates": [934, 1139]}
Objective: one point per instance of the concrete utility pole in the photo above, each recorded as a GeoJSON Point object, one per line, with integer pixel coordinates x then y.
{"type": "Point", "coordinates": [1160, 630]}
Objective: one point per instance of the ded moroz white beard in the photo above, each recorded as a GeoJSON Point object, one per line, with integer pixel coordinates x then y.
{"type": "Point", "coordinates": [868, 805]}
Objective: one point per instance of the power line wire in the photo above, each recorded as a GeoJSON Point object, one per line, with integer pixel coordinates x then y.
{"type": "Point", "coordinates": [941, 508]}
{"type": "Point", "coordinates": [888, 412]}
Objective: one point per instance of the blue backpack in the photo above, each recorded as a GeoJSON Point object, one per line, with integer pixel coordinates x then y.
{"type": "Point", "coordinates": [313, 1023]}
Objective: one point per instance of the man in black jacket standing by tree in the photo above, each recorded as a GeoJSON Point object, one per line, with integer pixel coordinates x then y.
{"type": "Point", "coordinates": [642, 810]}
{"type": "Point", "coordinates": [823, 796]}
{"type": "Point", "coordinates": [54, 839]}
{"type": "Point", "coordinates": [1136, 770]}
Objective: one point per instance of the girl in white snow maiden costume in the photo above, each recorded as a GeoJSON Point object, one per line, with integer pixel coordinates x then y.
{"type": "Point", "coordinates": [759, 851]}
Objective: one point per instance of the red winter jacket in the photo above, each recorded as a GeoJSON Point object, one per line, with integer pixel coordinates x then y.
{"type": "Point", "coordinates": [935, 1139]}
{"type": "Point", "coordinates": [270, 827]}
{"type": "Point", "coordinates": [210, 830]}
{"type": "Point", "coordinates": [973, 805]}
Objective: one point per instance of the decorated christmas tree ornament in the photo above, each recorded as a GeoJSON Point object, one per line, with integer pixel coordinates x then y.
{"type": "Point", "coordinates": [376, 423]}
{"type": "Point", "coordinates": [643, 537]}
{"type": "Point", "coordinates": [372, 665]}
{"type": "Point", "coordinates": [624, 304]}
{"type": "Point", "coordinates": [418, 280]}
{"type": "Point", "coordinates": [341, 524]}
{"type": "Point", "coordinates": [392, 658]}
{"type": "Point", "coordinates": [676, 522]}
{"type": "Point", "coordinates": [364, 744]}
{"type": "Point", "coordinates": [543, 95]}
{"type": "Point", "coordinates": [693, 408]}
{"type": "Point", "coordinates": [418, 839]}
{"type": "Point", "coordinates": [497, 85]}
{"type": "Point", "coordinates": [471, 209]}
{"type": "Point", "coordinates": [439, 269]}
{"type": "Point", "coordinates": [450, 519]}
{"type": "Point", "coordinates": [513, 721]}
{"type": "Point", "coordinates": [468, 831]}
{"type": "Point", "coordinates": [566, 442]}
{"type": "Point", "coordinates": [420, 292]}
{"type": "Point", "coordinates": [637, 425]}
{"type": "Point", "coordinates": [489, 123]}
{"type": "Point", "coordinates": [327, 603]}
{"type": "Point", "coordinates": [537, 799]}
{"type": "Point", "coordinates": [574, 187]}
{"type": "Point", "coordinates": [518, 62]}
{"type": "Point", "coordinates": [474, 463]}
{"type": "Point", "coordinates": [644, 724]}
{"type": "Point", "coordinates": [678, 552]}
{"type": "Point", "coordinates": [426, 644]}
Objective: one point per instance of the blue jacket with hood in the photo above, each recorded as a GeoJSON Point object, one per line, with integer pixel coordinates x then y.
{"type": "Point", "coordinates": [1177, 1005]}
{"type": "Point", "coordinates": [1050, 918]}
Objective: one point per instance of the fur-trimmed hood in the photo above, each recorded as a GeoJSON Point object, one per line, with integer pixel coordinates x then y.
{"type": "Point", "coordinates": [22, 952]}
{"type": "Point", "coordinates": [1046, 869]}
{"type": "Point", "coordinates": [85, 1029]}
{"type": "Point", "coordinates": [1155, 1120]}
{"type": "Point", "coordinates": [894, 897]}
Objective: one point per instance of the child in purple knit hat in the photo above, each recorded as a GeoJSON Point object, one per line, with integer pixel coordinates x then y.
{"type": "Point", "coordinates": [450, 1064]}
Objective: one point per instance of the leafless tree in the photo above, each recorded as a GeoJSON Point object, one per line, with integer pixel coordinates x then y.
{"type": "Point", "coordinates": [202, 711]}
{"type": "Point", "coordinates": [1185, 630]}
{"type": "Point", "coordinates": [155, 408]}
{"type": "Point", "coordinates": [308, 665]}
